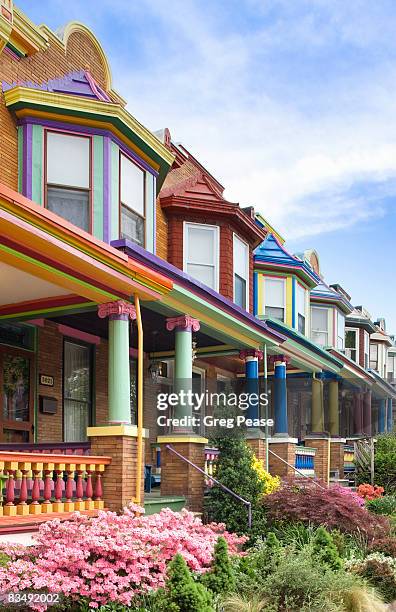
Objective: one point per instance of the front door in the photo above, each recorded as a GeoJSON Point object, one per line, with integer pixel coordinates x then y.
{"type": "Point", "coordinates": [16, 395]}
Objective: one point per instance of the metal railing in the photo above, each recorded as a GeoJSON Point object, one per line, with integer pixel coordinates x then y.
{"type": "Point", "coordinates": [248, 504]}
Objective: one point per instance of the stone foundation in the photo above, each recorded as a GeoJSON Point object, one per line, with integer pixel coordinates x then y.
{"type": "Point", "coordinates": [177, 476]}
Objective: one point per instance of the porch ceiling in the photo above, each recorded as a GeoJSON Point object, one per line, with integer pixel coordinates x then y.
{"type": "Point", "coordinates": [17, 286]}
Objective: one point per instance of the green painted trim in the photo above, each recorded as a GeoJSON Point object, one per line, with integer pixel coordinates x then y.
{"type": "Point", "coordinates": [42, 311]}
{"type": "Point", "coordinates": [150, 212]}
{"type": "Point", "coordinates": [154, 505]}
{"type": "Point", "coordinates": [15, 50]}
{"type": "Point", "coordinates": [20, 157]}
{"type": "Point", "coordinates": [37, 163]}
{"type": "Point", "coordinates": [115, 192]}
{"type": "Point", "coordinates": [57, 272]}
{"type": "Point", "coordinates": [98, 187]}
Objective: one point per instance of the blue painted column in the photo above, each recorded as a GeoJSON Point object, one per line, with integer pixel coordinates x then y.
{"type": "Point", "coordinates": [281, 427]}
{"type": "Point", "coordinates": [381, 415]}
{"type": "Point", "coordinates": [389, 417]}
{"type": "Point", "coordinates": [251, 358]}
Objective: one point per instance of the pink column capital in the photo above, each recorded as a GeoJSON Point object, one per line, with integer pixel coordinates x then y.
{"type": "Point", "coordinates": [254, 353]}
{"type": "Point", "coordinates": [182, 323]}
{"type": "Point", "coordinates": [119, 310]}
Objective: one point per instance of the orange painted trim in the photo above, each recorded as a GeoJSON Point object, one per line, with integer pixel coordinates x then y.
{"type": "Point", "coordinates": [53, 458]}
{"type": "Point", "coordinates": [45, 219]}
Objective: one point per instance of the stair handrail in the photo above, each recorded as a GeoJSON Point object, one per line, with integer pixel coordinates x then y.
{"type": "Point", "coordinates": [297, 470]}
{"type": "Point", "coordinates": [226, 489]}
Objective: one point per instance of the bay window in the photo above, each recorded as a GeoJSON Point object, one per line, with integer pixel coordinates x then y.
{"type": "Point", "coordinates": [68, 177]}
{"type": "Point", "coordinates": [301, 308]}
{"type": "Point", "coordinates": [132, 201]}
{"type": "Point", "coordinates": [352, 344]}
{"type": "Point", "coordinates": [320, 326]}
{"type": "Point", "coordinates": [275, 298]}
{"type": "Point", "coordinates": [201, 253]}
{"type": "Point", "coordinates": [241, 273]}
{"type": "Point", "coordinates": [340, 331]}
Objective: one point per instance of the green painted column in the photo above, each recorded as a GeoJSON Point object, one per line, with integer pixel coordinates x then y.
{"type": "Point", "coordinates": [334, 415]}
{"type": "Point", "coordinates": [119, 313]}
{"type": "Point", "coordinates": [317, 406]}
{"type": "Point", "coordinates": [183, 326]}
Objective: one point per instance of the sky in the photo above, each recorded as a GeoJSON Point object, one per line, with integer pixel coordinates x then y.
{"type": "Point", "coordinates": [291, 104]}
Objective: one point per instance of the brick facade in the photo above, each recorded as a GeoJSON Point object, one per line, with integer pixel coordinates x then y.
{"type": "Point", "coordinates": [258, 446]}
{"type": "Point", "coordinates": [43, 65]}
{"type": "Point", "coordinates": [287, 452]}
{"type": "Point", "coordinates": [321, 458]}
{"type": "Point", "coordinates": [180, 478]}
{"type": "Point", "coordinates": [337, 457]}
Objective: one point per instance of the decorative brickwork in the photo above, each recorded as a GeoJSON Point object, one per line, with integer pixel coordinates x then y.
{"type": "Point", "coordinates": [119, 479]}
{"type": "Point", "coordinates": [180, 478]}
{"type": "Point", "coordinates": [337, 457]}
{"type": "Point", "coordinates": [39, 67]}
{"type": "Point", "coordinates": [287, 452]}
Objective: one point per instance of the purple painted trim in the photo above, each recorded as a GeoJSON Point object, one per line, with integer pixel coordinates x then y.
{"type": "Point", "coordinates": [88, 130]}
{"type": "Point", "coordinates": [137, 252]}
{"type": "Point", "coordinates": [10, 52]}
{"type": "Point", "coordinates": [106, 188]}
{"type": "Point", "coordinates": [119, 317]}
{"type": "Point", "coordinates": [24, 160]}
{"type": "Point", "coordinates": [65, 330]}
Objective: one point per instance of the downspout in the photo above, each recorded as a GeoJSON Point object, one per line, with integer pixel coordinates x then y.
{"type": "Point", "coordinates": [139, 401]}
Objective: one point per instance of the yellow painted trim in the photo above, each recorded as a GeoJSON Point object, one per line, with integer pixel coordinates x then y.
{"type": "Point", "coordinates": [270, 228]}
{"type": "Point", "coordinates": [77, 26]}
{"type": "Point", "coordinates": [5, 31]}
{"type": "Point", "coordinates": [27, 34]}
{"type": "Point", "coordinates": [20, 94]}
{"type": "Point", "coordinates": [183, 439]}
{"type": "Point", "coordinates": [289, 301]}
{"type": "Point", "coordinates": [115, 430]}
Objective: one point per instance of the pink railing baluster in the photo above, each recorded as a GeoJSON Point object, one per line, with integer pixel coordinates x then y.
{"type": "Point", "coordinates": [10, 508]}
{"type": "Point", "coordinates": [22, 507]}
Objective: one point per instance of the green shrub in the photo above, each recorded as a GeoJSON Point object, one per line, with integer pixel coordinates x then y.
{"type": "Point", "coordinates": [325, 550]}
{"type": "Point", "coordinates": [384, 464]}
{"type": "Point", "coordinates": [221, 577]}
{"type": "Point", "coordinates": [182, 593]}
{"type": "Point", "coordinates": [234, 470]}
{"type": "Point", "coordinates": [382, 505]}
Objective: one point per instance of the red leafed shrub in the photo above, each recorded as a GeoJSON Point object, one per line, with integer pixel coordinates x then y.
{"type": "Point", "coordinates": [368, 491]}
{"type": "Point", "coordinates": [384, 545]}
{"type": "Point", "coordinates": [307, 503]}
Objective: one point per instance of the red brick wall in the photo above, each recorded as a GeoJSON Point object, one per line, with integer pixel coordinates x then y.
{"type": "Point", "coordinates": [226, 279]}
{"type": "Point", "coordinates": [40, 67]}
{"type": "Point", "coordinates": [361, 347]}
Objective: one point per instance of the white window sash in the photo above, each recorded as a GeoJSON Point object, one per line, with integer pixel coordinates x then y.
{"type": "Point", "coordinates": [246, 277]}
{"type": "Point", "coordinates": [265, 303]}
{"type": "Point", "coordinates": [215, 265]}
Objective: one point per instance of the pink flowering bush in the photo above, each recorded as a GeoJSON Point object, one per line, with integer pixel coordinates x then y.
{"type": "Point", "coordinates": [111, 557]}
{"type": "Point", "coordinates": [349, 494]}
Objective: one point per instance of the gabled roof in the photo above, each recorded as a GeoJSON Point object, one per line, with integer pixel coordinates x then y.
{"type": "Point", "coordinates": [77, 83]}
{"type": "Point", "coordinates": [323, 293]}
{"type": "Point", "coordinates": [271, 254]}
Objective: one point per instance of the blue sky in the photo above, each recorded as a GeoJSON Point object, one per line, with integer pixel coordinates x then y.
{"type": "Point", "coordinates": [290, 103]}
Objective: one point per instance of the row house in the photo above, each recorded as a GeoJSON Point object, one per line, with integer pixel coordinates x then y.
{"type": "Point", "coordinates": [124, 271]}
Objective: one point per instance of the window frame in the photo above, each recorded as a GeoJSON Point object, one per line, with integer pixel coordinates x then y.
{"type": "Point", "coordinates": [279, 278]}
{"type": "Point", "coordinates": [321, 331]}
{"type": "Point", "coordinates": [376, 345]}
{"type": "Point", "coordinates": [71, 133]}
{"type": "Point", "coordinates": [92, 385]}
{"type": "Point", "coordinates": [121, 204]}
{"type": "Point", "coordinates": [304, 314]}
{"type": "Point", "coordinates": [366, 344]}
{"type": "Point", "coordinates": [342, 348]}
{"type": "Point", "coordinates": [357, 343]}
{"type": "Point", "coordinates": [216, 265]}
{"type": "Point", "coordinates": [247, 279]}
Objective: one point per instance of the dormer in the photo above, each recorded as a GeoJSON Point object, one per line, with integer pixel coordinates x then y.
{"type": "Point", "coordinates": [359, 327]}
{"type": "Point", "coordinates": [282, 282]}
{"type": "Point", "coordinates": [207, 236]}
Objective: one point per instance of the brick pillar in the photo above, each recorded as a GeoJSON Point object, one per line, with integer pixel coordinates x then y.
{"type": "Point", "coordinates": [322, 456]}
{"type": "Point", "coordinates": [285, 448]}
{"type": "Point", "coordinates": [119, 479]}
{"type": "Point", "coordinates": [337, 455]}
{"type": "Point", "coordinates": [177, 476]}
{"type": "Point", "coordinates": [258, 446]}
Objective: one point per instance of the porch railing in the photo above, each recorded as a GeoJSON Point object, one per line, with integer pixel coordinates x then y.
{"type": "Point", "coordinates": [349, 458]}
{"type": "Point", "coordinates": [33, 483]}
{"type": "Point", "coordinates": [57, 448]}
{"type": "Point", "coordinates": [211, 456]}
{"type": "Point", "coordinates": [305, 460]}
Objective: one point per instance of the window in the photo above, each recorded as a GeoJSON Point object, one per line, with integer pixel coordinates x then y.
{"type": "Point", "coordinates": [68, 177]}
{"type": "Point", "coordinates": [374, 357]}
{"type": "Point", "coordinates": [301, 308]}
{"type": "Point", "coordinates": [241, 273]}
{"type": "Point", "coordinates": [274, 298]}
{"type": "Point", "coordinates": [320, 326]}
{"type": "Point", "coordinates": [77, 390]}
{"type": "Point", "coordinates": [132, 205]}
{"type": "Point", "coordinates": [340, 331]}
{"type": "Point", "coordinates": [201, 253]}
{"type": "Point", "coordinates": [366, 349]}
{"type": "Point", "coordinates": [352, 344]}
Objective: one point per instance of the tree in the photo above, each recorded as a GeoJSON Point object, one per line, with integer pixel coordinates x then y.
{"type": "Point", "coordinates": [221, 577]}
{"type": "Point", "coordinates": [182, 593]}
{"type": "Point", "coordinates": [325, 550]}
